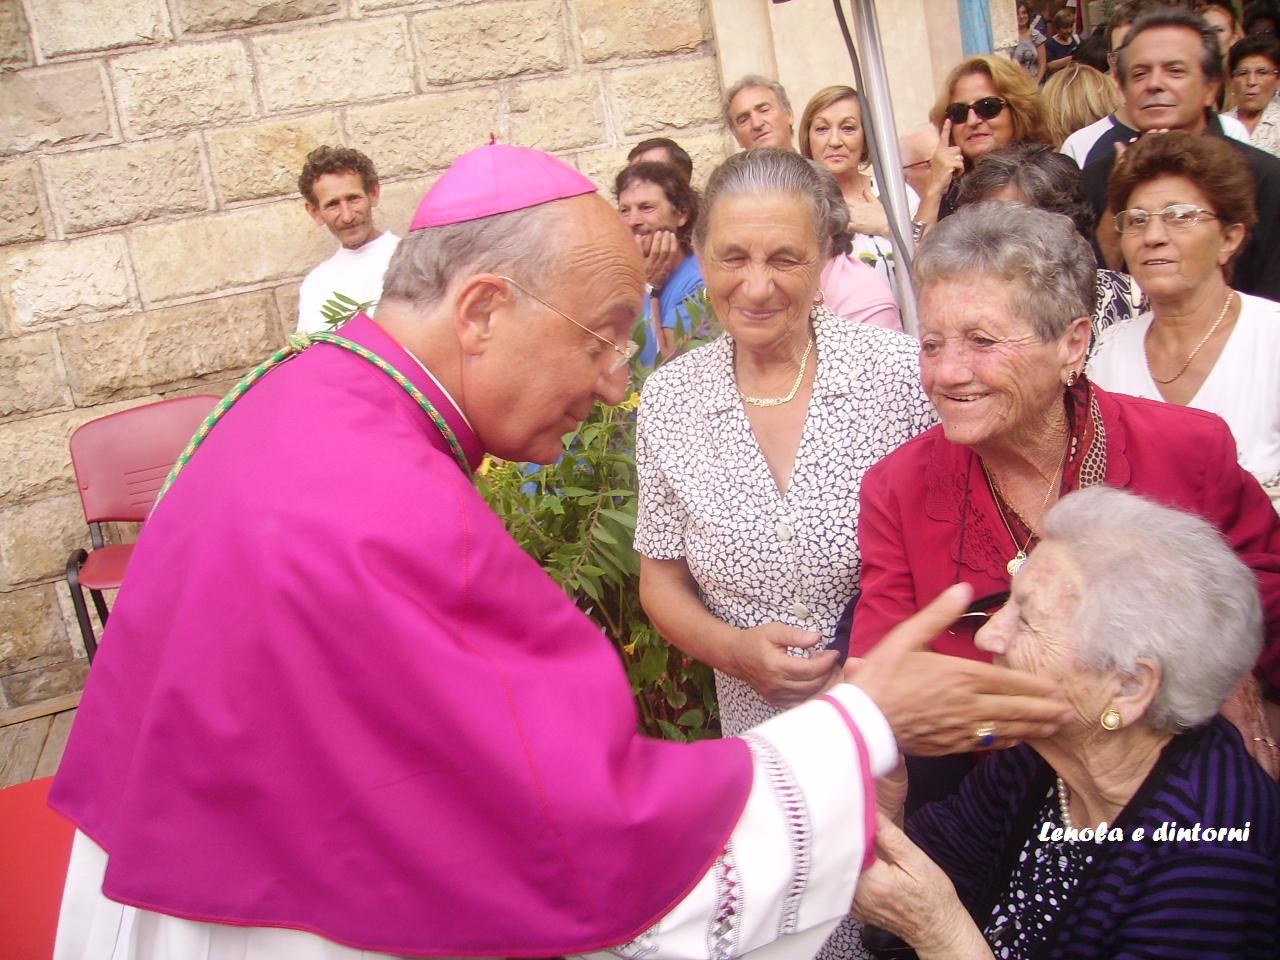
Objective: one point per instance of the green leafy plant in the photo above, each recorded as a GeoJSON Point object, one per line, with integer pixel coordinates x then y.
{"type": "Point", "coordinates": [340, 308]}
{"type": "Point", "coordinates": [577, 518]}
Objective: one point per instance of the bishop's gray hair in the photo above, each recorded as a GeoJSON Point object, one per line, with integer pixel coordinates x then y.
{"type": "Point", "coordinates": [518, 243]}
{"type": "Point", "coordinates": [1051, 265]}
{"type": "Point", "coordinates": [753, 80]}
{"type": "Point", "coordinates": [769, 170]}
{"type": "Point", "coordinates": [1162, 585]}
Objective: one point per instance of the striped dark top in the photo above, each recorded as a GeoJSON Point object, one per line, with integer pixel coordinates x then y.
{"type": "Point", "coordinates": [1176, 898]}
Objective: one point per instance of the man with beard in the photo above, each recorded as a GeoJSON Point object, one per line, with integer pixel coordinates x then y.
{"type": "Point", "coordinates": [661, 208]}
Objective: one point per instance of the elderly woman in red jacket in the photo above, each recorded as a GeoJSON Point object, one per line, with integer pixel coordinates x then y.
{"type": "Point", "coordinates": [1005, 299]}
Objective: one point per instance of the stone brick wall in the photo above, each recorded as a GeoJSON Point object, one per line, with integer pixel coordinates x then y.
{"type": "Point", "coordinates": [151, 240]}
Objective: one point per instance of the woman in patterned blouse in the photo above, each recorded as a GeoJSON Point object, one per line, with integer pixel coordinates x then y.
{"type": "Point", "coordinates": [751, 449]}
{"type": "Point", "coordinates": [1143, 828]}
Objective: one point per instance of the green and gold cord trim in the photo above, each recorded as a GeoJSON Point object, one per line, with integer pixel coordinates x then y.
{"type": "Point", "coordinates": [296, 344]}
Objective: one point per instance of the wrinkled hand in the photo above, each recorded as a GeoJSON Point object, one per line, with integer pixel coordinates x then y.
{"type": "Point", "coordinates": [907, 894]}
{"type": "Point", "coordinates": [866, 215]}
{"type": "Point", "coordinates": [1244, 709]}
{"type": "Point", "coordinates": [947, 161]}
{"type": "Point", "coordinates": [934, 703]}
{"type": "Point", "coordinates": [661, 252]}
{"type": "Point", "coordinates": [761, 659]}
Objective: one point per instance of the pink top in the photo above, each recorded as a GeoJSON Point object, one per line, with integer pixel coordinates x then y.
{"type": "Point", "coordinates": [856, 292]}
{"type": "Point", "coordinates": [335, 696]}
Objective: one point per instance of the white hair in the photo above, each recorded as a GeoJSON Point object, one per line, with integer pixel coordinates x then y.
{"type": "Point", "coordinates": [754, 80]}
{"type": "Point", "coordinates": [1161, 585]}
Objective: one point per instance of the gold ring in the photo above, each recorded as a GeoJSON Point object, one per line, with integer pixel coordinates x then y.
{"type": "Point", "coordinates": [985, 735]}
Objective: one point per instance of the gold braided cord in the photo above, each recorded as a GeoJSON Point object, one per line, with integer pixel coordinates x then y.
{"type": "Point", "coordinates": [298, 342]}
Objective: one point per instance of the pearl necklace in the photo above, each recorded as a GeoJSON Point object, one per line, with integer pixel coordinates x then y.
{"type": "Point", "coordinates": [1203, 340]}
{"type": "Point", "coordinates": [1064, 806]}
{"type": "Point", "coordinates": [795, 387]}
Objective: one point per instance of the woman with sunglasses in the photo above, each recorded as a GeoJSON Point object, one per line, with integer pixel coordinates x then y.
{"type": "Point", "coordinates": [988, 102]}
{"type": "Point", "coordinates": [1186, 207]}
{"type": "Point", "coordinates": [1005, 297]}
{"type": "Point", "coordinates": [1057, 847]}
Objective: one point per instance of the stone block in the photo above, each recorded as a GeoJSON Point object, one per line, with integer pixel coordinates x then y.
{"type": "Point", "coordinates": [490, 40]}
{"type": "Point", "coordinates": [36, 538]}
{"type": "Point", "coordinates": [19, 204]}
{"type": "Point", "coordinates": [667, 96]}
{"type": "Point", "coordinates": [265, 160]}
{"type": "Point", "coordinates": [31, 631]}
{"type": "Point", "coordinates": [31, 378]}
{"type": "Point", "coordinates": [425, 133]}
{"type": "Point", "coordinates": [358, 60]}
{"type": "Point", "coordinates": [706, 150]}
{"type": "Point", "coordinates": [91, 189]}
{"type": "Point", "coordinates": [399, 203]}
{"type": "Point", "coordinates": [73, 26]}
{"type": "Point", "coordinates": [206, 341]}
{"type": "Point", "coordinates": [249, 246]}
{"type": "Point", "coordinates": [53, 107]}
{"type": "Point", "coordinates": [601, 166]}
{"type": "Point", "coordinates": [15, 42]}
{"type": "Point", "coordinates": [638, 28]}
{"type": "Point", "coordinates": [197, 16]}
{"type": "Point", "coordinates": [558, 114]}
{"type": "Point", "coordinates": [184, 86]}
{"type": "Point", "coordinates": [58, 281]}
{"type": "Point", "coordinates": [58, 680]}
{"type": "Point", "coordinates": [287, 306]}
{"type": "Point", "coordinates": [35, 460]}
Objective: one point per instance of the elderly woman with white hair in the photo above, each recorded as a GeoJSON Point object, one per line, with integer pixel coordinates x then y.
{"type": "Point", "coordinates": [1006, 292]}
{"type": "Point", "coordinates": [1143, 828]}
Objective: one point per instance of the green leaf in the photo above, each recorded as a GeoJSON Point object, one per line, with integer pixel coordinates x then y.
{"type": "Point", "coordinates": [691, 718]}
{"type": "Point", "coordinates": [601, 532]}
{"type": "Point", "coordinates": [672, 732]}
{"type": "Point", "coordinates": [628, 520]}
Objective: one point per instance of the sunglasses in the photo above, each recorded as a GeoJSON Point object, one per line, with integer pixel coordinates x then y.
{"type": "Point", "coordinates": [988, 108]}
{"type": "Point", "coordinates": [979, 612]}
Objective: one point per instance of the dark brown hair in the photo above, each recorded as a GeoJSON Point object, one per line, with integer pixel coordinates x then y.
{"type": "Point", "coordinates": [1215, 167]}
{"type": "Point", "coordinates": [325, 159]}
{"type": "Point", "coordinates": [676, 188]}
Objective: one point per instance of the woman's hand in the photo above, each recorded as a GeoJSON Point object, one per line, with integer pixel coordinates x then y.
{"type": "Point", "coordinates": [907, 894]}
{"type": "Point", "coordinates": [866, 214]}
{"type": "Point", "coordinates": [946, 164]}
{"type": "Point", "coordinates": [784, 679]}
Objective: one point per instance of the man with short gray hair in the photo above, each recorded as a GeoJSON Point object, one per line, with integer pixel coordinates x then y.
{"type": "Point", "coordinates": [758, 113]}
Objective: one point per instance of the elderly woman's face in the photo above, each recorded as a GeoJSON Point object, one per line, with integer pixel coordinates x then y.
{"type": "Point", "coordinates": [991, 379]}
{"type": "Point", "coordinates": [1035, 632]}
{"type": "Point", "coordinates": [836, 139]}
{"type": "Point", "coordinates": [761, 266]}
{"type": "Point", "coordinates": [1171, 261]}
{"type": "Point", "coordinates": [976, 136]}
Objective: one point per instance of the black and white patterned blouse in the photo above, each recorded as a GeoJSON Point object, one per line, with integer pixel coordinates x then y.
{"type": "Point", "coordinates": [706, 494]}
{"type": "Point", "coordinates": [1039, 890]}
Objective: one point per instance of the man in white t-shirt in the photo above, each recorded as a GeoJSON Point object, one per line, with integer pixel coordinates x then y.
{"type": "Point", "coordinates": [341, 189]}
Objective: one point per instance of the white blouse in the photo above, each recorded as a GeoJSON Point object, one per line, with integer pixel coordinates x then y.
{"type": "Point", "coordinates": [707, 496]}
{"type": "Point", "coordinates": [1243, 387]}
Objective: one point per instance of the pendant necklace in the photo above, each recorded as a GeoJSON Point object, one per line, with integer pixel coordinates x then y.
{"type": "Point", "coordinates": [1019, 558]}
{"type": "Point", "coordinates": [795, 387]}
{"type": "Point", "coordinates": [1203, 340]}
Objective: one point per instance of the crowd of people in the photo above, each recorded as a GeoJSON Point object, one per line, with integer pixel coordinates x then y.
{"type": "Point", "coordinates": [993, 609]}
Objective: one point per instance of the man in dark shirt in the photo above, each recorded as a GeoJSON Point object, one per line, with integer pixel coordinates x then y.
{"type": "Point", "coordinates": [1170, 73]}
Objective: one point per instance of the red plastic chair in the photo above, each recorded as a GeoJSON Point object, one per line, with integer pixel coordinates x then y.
{"type": "Point", "coordinates": [35, 847]}
{"type": "Point", "coordinates": [121, 461]}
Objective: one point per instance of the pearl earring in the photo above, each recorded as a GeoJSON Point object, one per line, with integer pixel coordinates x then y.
{"type": "Point", "coordinates": [1110, 719]}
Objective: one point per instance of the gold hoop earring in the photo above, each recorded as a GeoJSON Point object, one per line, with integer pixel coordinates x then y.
{"type": "Point", "coordinates": [1110, 719]}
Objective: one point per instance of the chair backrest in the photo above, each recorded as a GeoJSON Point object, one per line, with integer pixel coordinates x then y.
{"type": "Point", "coordinates": [121, 460]}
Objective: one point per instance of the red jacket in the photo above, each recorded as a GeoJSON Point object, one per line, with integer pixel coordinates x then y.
{"type": "Point", "coordinates": [928, 519]}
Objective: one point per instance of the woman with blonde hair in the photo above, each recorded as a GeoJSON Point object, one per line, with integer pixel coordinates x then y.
{"type": "Point", "coordinates": [1075, 97]}
{"type": "Point", "coordinates": [832, 133]}
{"type": "Point", "coordinates": [986, 103]}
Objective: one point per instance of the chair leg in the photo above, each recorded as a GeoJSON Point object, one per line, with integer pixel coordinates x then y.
{"type": "Point", "coordinates": [77, 601]}
{"type": "Point", "coordinates": [100, 603]}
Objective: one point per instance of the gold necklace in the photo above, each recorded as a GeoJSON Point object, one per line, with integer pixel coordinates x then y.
{"type": "Point", "coordinates": [1019, 558]}
{"type": "Point", "coordinates": [1203, 340]}
{"type": "Point", "coordinates": [795, 387]}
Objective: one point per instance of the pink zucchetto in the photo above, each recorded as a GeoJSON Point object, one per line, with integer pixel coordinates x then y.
{"type": "Point", "coordinates": [497, 178]}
